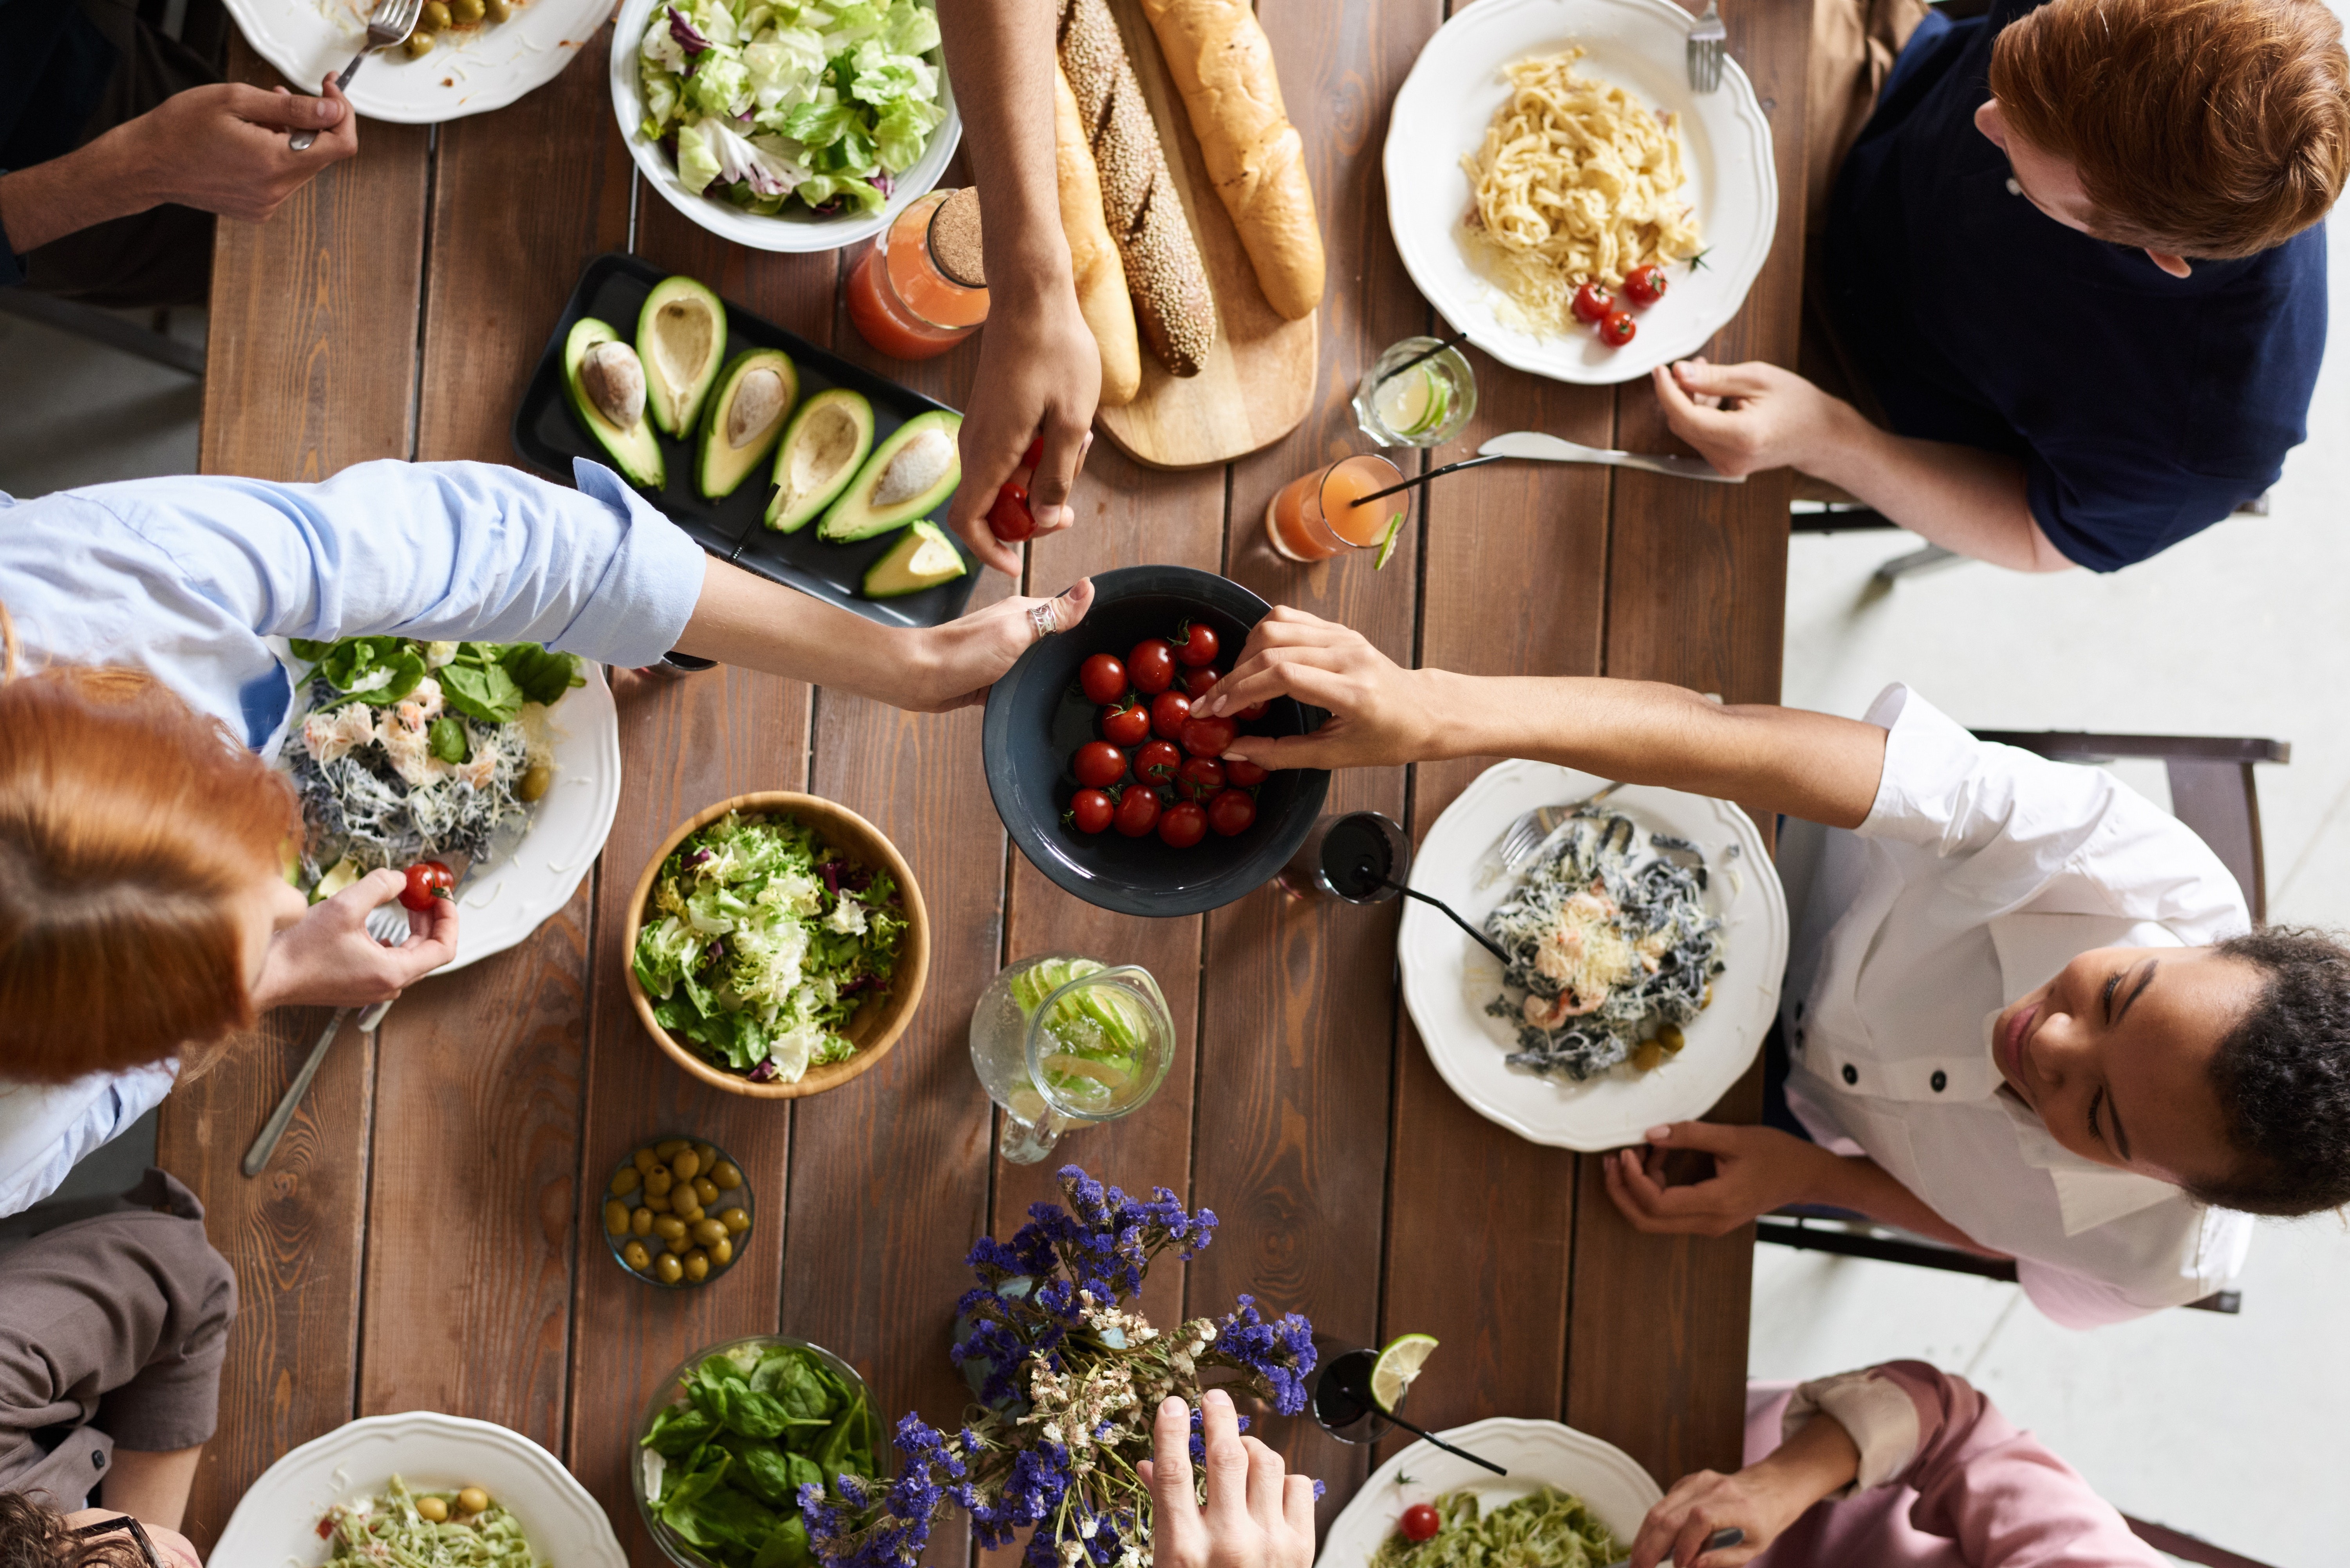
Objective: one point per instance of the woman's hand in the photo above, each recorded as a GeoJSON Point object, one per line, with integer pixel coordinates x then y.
{"type": "Point", "coordinates": [1256, 1516]}
{"type": "Point", "coordinates": [963, 657]}
{"type": "Point", "coordinates": [1755, 1170]}
{"type": "Point", "coordinates": [1380, 714]}
{"type": "Point", "coordinates": [1762, 1500]}
{"type": "Point", "coordinates": [326, 959]}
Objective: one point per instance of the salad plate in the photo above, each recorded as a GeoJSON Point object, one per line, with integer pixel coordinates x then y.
{"type": "Point", "coordinates": [1534, 1453]}
{"type": "Point", "coordinates": [466, 73]}
{"type": "Point", "coordinates": [278, 1521]}
{"type": "Point", "coordinates": [1448, 980]}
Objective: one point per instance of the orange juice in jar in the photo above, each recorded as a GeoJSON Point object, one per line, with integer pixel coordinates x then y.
{"type": "Point", "coordinates": [921, 289]}
{"type": "Point", "coordinates": [1322, 514]}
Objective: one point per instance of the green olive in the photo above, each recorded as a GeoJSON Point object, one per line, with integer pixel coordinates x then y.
{"type": "Point", "coordinates": [658, 1181]}
{"type": "Point", "coordinates": [1671, 1037]}
{"type": "Point", "coordinates": [496, 10]}
{"type": "Point", "coordinates": [668, 1269]}
{"type": "Point", "coordinates": [685, 1208]}
{"type": "Point", "coordinates": [705, 1192]}
{"type": "Point", "coordinates": [1647, 1055]}
{"type": "Point", "coordinates": [666, 1150]}
{"type": "Point", "coordinates": [708, 1230]}
{"type": "Point", "coordinates": [419, 45]}
{"type": "Point", "coordinates": [658, 1202]}
{"type": "Point", "coordinates": [721, 1251]}
{"type": "Point", "coordinates": [473, 1500]}
{"type": "Point", "coordinates": [736, 1219]}
{"type": "Point", "coordinates": [725, 1176]}
{"type": "Point", "coordinates": [709, 1153]}
{"type": "Point", "coordinates": [436, 16]}
{"type": "Point", "coordinates": [687, 1164]}
{"type": "Point", "coordinates": [668, 1227]}
{"type": "Point", "coordinates": [432, 1508]}
{"type": "Point", "coordinates": [537, 778]}
{"type": "Point", "coordinates": [640, 1222]}
{"type": "Point", "coordinates": [616, 1217]}
{"type": "Point", "coordinates": [627, 1181]}
{"type": "Point", "coordinates": [468, 14]}
{"type": "Point", "coordinates": [636, 1257]}
{"type": "Point", "coordinates": [644, 1159]}
{"type": "Point", "coordinates": [697, 1265]}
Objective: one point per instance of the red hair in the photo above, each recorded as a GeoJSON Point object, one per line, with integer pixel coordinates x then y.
{"type": "Point", "coordinates": [129, 827]}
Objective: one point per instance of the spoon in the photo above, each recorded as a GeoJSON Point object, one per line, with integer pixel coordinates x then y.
{"type": "Point", "coordinates": [1356, 1383]}
{"type": "Point", "coordinates": [1367, 872]}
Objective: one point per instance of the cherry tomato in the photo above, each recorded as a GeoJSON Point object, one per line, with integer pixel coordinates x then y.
{"type": "Point", "coordinates": [1208, 737]}
{"type": "Point", "coordinates": [1232, 812]}
{"type": "Point", "coordinates": [1244, 776]}
{"type": "Point", "coordinates": [1170, 711]}
{"type": "Point", "coordinates": [1034, 455]}
{"type": "Point", "coordinates": [1103, 678]}
{"type": "Point", "coordinates": [1592, 304]}
{"type": "Point", "coordinates": [427, 880]}
{"type": "Point", "coordinates": [1618, 330]}
{"type": "Point", "coordinates": [1008, 517]}
{"type": "Point", "coordinates": [1151, 665]}
{"type": "Point", "coordinates": [1645, 285]}
{"type": "Point", "coordinates": [1138, 812]}
{"type": "Point", "coordinates": [1251, 713]}
{"type": "Point", "coordinates": [1156, 762]}
{"type": "Point", "coordinates": [1195, 644]}
{"type": "Point", "coordinates": [1199, 778]}
{"type": "Point", "coordinates": [1099, 765]}
{"type": "Point", "coordinates": [1183, 824]}
{"type": "Point", "coordinates": [1089, 811]}
{"type": "Point", "coordinates": [1197, 679]}
{"type": "Point", "coordinates": [1419, 1521]}
{"type": "Point", "coordinates": [1125, 723]}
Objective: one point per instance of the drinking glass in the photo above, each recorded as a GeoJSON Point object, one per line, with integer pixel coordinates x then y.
{"type": "Point", "coordinates": [1316, 515]}
{"type": "Point", "coordinates": [1065, 1041]}
{"type": "Point", "coordinates": [1336, 1407]}
{"type": "Point", "coordinates": [1332, 861]}
{"type": "Point", "coordinates": [1426, 405]}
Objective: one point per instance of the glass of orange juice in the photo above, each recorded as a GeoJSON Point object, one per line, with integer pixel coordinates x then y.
{"type": "Point", "coordinates": [1322, 514]}
{"type": "Point", "coordinates": [922, 287]}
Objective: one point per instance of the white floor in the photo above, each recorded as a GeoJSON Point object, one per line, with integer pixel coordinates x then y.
{"type": "Point", "coordinates": [74, 413]}
{"type": "Point", "coordinates": [2230, 1428]}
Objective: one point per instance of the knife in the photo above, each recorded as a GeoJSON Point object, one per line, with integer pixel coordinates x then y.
{"type": "Point", "coordinates": [1728, 1536]}
{"type": "Point", "coordinates": [1550, 449]}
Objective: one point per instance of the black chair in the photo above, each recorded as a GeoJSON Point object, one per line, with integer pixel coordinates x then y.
{"type": "Point", "coordinates": [1836, 517]}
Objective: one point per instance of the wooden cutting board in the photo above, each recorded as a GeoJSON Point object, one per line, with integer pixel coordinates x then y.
{"type": "Point", "coordinates": [1258, 382]}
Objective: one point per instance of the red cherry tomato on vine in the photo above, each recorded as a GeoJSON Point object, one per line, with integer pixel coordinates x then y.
{"type": "Point", "coordinates": [1232, 812]}
{"type": "Point", "coordinates": [1419, 1521]}
{"type": "Point", "coordinates": [1099, 765]}
{"type": "Point", "coordinates": [1151, 665]}
{"type": "Point", "coordinates": [1198, 679]}
{"type": "Point", "coordinates": [1138, 812]}
{"type": "Point", "coordinates": [1208, 737]}
{"type": "Point", "coordinates": [1645, 285]}
{"type": "Point", "coordinates": [1125, 723]}
{"type": "Point", "coordinates": [1183, 824]}
{"type": "Point", "coordinates": [1157, 762]}
{"type": "Point", "coordinates": [1618, 330]}
{"type": "Point", "coordinates": [1195, 644]}
{"type": "Point", "coordinates": [1244, 774]}
{"type": "Point", "coordinates": [1090, 811]}
{"type": "Point", "coordinates": [1103, 678]}
{"type": "Point", "coordinates": [1170, 711]}
{"type": "Point", "coordinates": [427, 880]}
{"type": "Point", "coordinates": [1009, 518]}
{"type": "Point", "coordinates": [1592, 304]}
{"type": "Point", "coordinates": [1200, 778]}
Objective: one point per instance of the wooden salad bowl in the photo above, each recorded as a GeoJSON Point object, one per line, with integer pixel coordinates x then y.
{"type": "Point", "coordinates": [875, 1027]}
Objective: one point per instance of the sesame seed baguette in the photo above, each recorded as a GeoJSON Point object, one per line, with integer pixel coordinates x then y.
{"type": "Point", "coordinates": [1172, 304]}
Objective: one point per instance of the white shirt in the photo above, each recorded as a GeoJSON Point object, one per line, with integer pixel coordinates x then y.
{"type": "Point", "coordinates": [192, 577]}
{"type": "Point", "coordinates": [1980, 872]}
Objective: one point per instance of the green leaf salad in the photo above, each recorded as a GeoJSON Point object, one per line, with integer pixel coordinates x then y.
{"type": "Point", "coordinates": [723, 1466]}
{"type": "Point", "coordinates": [1548, 1529]}
{"type": "Point", "coordinates": [761, 942]}
{"type": "Point", "coordinates": [764, 102]}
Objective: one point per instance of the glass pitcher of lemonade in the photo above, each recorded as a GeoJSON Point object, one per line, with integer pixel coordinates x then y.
{"type": "Point", "coordinates": [1062, 1042]}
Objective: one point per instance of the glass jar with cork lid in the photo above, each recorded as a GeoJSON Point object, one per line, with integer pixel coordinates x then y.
{"type": "Point", "coordinates": [922, 287]}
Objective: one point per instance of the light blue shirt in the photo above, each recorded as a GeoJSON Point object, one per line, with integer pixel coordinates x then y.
{"type": "Point", "coordinates": [190, 577]}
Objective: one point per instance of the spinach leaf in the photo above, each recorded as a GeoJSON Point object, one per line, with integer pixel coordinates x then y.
{"type": "Point", "coordinates": [681, 1504]}
{"type": "Point", "coordinates": [787, 1548]}
{"type": "Point", "coordinates": [765, 1472]}
{"type": "Point", "coordinates": [539, 675]}
{"type": "Point", "coordinates": [306, 650]}
{"type": "Point", "coordinates": [483, 692]}
{"type": "Point", "coordinates": [678, 1429]}
{"type": "Point", "coordinates": [753, 1414]}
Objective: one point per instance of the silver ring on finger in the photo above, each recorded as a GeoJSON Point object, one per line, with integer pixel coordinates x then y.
{"type": "Point", "coordinates": [1044, 618]}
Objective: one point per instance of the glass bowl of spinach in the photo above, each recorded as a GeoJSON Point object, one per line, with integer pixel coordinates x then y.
{"type": "Point", "coordinates": [732, 1434]}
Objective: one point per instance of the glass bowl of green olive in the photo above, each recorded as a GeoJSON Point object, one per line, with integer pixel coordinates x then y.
{"type": "Point", "coordinates": [678, 1212]}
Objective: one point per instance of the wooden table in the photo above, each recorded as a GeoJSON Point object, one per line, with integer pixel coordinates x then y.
{"type": "Point", "coordinates": [422, 1241]}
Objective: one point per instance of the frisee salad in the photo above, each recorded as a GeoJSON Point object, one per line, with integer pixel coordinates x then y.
{"type": "Point", "coordinates": [760, 942]}
{"type": "Point", "coordinates": [766, 102]}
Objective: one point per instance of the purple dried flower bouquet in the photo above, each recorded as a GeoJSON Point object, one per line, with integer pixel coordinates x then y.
{"type": "Point", "coordinates": [1069, 1381]}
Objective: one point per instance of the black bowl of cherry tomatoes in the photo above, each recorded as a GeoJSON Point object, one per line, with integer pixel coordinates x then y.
{"type": "Point", "coordinates": [1107, 781]}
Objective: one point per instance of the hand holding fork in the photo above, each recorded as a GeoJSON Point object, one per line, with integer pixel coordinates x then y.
{"type": "Point", "coordinates": [388, 24]}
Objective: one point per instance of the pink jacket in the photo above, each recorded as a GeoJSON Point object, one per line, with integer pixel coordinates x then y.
{"type": "Point", "coordinates": [1959, 1489]}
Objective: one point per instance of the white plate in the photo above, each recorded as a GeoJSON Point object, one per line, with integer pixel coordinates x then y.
{"type": "Point", "coordinates": [276, 1524]}
{"type": "Point", "coordinates": [1441, 114]}
{"type": "Point", "coordinates": [793, 229]}
{"type": "Point", "coordinates": [466, 73]}
{"type": "Point", "coordinates": [1447, 978]}
{"type": "Point", "coordinates": [1603, 1475]}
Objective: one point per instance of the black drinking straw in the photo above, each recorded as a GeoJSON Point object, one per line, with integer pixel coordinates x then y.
{"type": "Point", "coordinates": [1451, 342]}
{"type": "Point", "coordinates": [1431, 473]}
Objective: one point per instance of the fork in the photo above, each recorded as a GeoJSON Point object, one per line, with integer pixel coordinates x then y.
{"type": "Point", "coordinates": [1525, 834]}
{"type": "Point", "coordinates": [390, 23]}
{"type": "Point", "coordinates": [1708, 42]}
{"type": "Point", "coordinates": [384, 922]}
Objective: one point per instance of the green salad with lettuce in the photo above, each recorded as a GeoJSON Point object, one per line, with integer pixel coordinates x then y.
{"type": "Point", "coordinates": [761, 942]}
{"type": "Point", "coordinates": [723, 1466]}
{"type": "Point", "coordinates": [766, 102]}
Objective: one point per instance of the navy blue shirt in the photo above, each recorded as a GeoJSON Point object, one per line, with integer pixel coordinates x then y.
{"type": "Point", "coordinates": [54, 68]}
{"type": "Point", "coordinates": [2144, 407]}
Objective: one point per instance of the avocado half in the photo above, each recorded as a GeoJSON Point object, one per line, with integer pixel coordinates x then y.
{"type": "Point", "coordinates": [743, 418]}
{"type": "Point", "coordinates": [681, 338]}
{"type": "Point", "coordinates": [635, 449]}
{"type": "Point", "coordinates": [911, 471]}
{"type": "Point", "coordinates": [923, 558]}
{"type": "Point", "coordinates": [822, 449]}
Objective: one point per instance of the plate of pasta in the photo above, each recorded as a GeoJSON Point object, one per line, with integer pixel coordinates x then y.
{"type": "Point", "coordinates": [1539, 146]}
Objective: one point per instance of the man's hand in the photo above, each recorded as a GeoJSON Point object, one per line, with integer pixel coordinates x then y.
{"type": "Point", "coordinates": [1379, 712]}
{"type": "Point", "coordinates": [966, 657]}
{"type": "Point", "coordinates": [1755, 1170]}
{"type": "Point", "coordinates": [1748, 418]}
{"type": "Point", "coordinates": [1039, 377]}
{"type": "Point", "coordinates": [326, 959]}
{"type": "Point", "coordinates": [224, 148]}
{"type": "Point", "coordinates": [1256, 1517]}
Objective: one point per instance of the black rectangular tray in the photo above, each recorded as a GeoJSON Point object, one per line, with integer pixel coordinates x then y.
{"type": "Point", "coordinates": [546, 434]}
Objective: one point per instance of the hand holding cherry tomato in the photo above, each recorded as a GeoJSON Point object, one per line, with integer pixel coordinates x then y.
{"type": "Point", "coordinates": [427, 880]}
{"type": "Point", "coordinates": [1009, 518]}
{"type": "Point", "coordinates": [1208, 737]}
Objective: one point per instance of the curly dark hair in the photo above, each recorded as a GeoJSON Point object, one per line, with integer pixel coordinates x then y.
{"type": "Point", "coordinates": [2282, 1074]}
{"type": "Point", "coordinates": [33, 1537]}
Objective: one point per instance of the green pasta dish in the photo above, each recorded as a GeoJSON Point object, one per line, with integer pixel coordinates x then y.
{"type": "Point", "coordinates": [399, 1528]}
{"type": "Point", "coordinates": [1546, 1528]}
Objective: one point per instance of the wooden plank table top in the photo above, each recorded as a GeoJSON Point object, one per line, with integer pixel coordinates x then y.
{"type": "Point", "coordinates": [428, 1235]}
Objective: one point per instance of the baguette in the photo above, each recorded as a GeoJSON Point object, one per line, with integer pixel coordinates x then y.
{"type": "Point", "coordinates": [1093, 259]}
{"type": "Point", "coordinates": [1222, 64]}
{"type": "Point", "coordinates": [1172, 304]}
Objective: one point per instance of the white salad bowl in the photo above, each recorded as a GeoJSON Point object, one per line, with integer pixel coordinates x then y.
{"type": "Point", "coordinates": [788, 230]}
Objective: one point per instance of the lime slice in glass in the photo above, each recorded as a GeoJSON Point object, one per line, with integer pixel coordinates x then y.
{"type": "Point", "coordinates": [1387, 545]}
{"type": "Point", "coordinates": [1404, 401]}
{"type": "Point", "coordinates": [1440, 402]}
{"type": "Point", "coordinates": [1397, 1365]}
